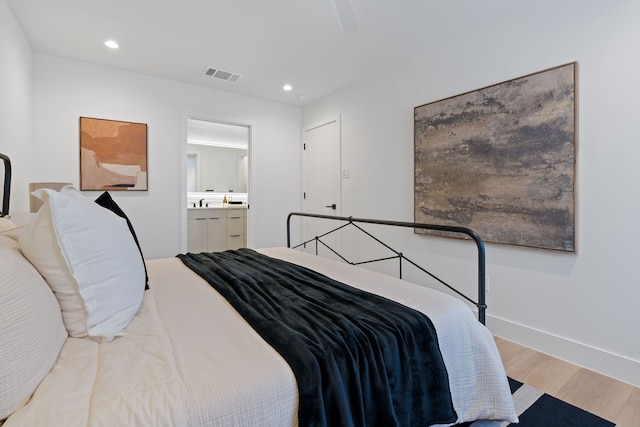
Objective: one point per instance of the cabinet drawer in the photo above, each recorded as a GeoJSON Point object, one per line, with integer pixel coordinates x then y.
{"type": "Point", "coordinates": [232, 213]}
{"type": "Point", "coordinates": [236, 241]}
{"type": "Point", "coordinates": [235, 225]}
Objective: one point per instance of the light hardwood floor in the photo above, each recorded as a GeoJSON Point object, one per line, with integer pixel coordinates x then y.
{"type": "Point", "coordinates": [606, 397]}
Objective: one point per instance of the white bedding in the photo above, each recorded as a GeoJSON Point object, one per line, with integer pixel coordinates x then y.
{"type": "Point", "coordinates": [130, 381]}
{"type": "Point", "coordinates": [190, 359]}
{"type": "Point", "coordinates": [477, 378]}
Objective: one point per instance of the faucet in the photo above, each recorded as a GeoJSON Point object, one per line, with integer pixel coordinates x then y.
{"type": "Point", "coordinates": [201, 200]}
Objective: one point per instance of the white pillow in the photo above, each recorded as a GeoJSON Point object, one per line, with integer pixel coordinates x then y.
{"type": "Point", "coordinates": [6, 224]}
{"type": "Point", "coordinates": [89, 258]}
{"type": "Point", "coordinates": [30, 326]}
{"type": "Point", "coordinates": [9, 229]}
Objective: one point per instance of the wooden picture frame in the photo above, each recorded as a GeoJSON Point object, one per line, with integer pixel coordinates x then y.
{"type": "Point", "coordinates": [113, 155]}
{"type": "Point", "coordinates": [502, 160]}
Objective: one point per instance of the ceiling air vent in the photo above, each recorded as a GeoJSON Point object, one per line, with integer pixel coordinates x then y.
{"type": "Point", "coordinates": [221, 74]}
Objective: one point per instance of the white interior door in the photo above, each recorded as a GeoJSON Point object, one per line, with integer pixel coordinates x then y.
{"type": "Point", "coordinates": [321, 182]}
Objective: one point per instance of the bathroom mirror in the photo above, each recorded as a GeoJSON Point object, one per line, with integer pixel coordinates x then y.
{"type": "Point", "coordinates": [217, 157]}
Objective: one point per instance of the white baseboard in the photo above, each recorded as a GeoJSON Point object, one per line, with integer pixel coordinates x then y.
{"type": "Point", "coordinates": [586, 356]}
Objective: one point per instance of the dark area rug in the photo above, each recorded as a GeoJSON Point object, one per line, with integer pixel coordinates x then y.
{"type": "Point", "coordinates": [537, 409]}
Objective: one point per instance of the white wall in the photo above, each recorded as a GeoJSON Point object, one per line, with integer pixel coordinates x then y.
{"type": "Point", "coordinates": [584, 307]}
{"type": "Point", "coordinates": [15, 106]}
{"type": "Point", "coordinates": [64, 90]}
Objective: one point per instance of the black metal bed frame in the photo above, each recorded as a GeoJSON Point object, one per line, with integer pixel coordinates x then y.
{"type": "Point", "coordinates": [350, 221]}
{"type": "Point", "coordinates": [7, 185]}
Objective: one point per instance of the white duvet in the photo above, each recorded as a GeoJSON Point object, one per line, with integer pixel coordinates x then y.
{"type": "Point", "coordinates": [189, 359]}
{"type": "Point", "coordinates": [130, 381]}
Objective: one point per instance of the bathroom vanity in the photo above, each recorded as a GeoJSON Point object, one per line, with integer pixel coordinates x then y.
{"type": "Point", "coordinates": [216, 229]}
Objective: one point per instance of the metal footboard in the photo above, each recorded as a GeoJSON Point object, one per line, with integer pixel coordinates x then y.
{"type": "Point", "coordinates": [6, 192]}
{"type": "Point", "coordinates": [353, 222]}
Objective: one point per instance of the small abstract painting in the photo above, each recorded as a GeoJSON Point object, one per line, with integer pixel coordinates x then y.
{"type": "Point", "coordinates": [113, 155]}
{"type": "Point", "coordinates": [501, 160]}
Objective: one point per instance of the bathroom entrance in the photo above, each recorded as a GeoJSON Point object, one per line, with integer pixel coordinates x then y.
{"type": "Point", "coordinates": [217, 185]}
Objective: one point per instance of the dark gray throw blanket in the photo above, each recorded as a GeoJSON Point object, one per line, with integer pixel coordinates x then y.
{"type": "Point", "coordinates": [359, 359]}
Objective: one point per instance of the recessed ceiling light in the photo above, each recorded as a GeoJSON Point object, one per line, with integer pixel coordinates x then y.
{"type": "Point", "coordinates": [111, 44]}
{"type": "Point", "coordinates": [287, 87]}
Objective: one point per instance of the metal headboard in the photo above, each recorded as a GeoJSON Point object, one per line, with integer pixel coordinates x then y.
{"type": "Point", "coordinates": [6, 192]}
{"type": "Point", "coordinates": [350, 221]}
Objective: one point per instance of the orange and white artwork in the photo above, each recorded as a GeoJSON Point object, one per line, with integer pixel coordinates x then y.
{"type": "Point", "coordinates": [113, 155]}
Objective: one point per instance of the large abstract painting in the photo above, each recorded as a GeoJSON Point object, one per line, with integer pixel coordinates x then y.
{"type": "Point", "coordinates": [113, 155]}
{"type": "Point", "coordinates": [502, 160]}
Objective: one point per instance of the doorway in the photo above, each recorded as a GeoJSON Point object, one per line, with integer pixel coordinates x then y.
{"type": "Point", "coordinates": [218, 158]}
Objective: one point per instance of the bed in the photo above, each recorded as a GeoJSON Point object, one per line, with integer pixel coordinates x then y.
{"type": "Point", "coordinates": [105, 352]}
{"type": "Point", "coordinates": [6, 185]}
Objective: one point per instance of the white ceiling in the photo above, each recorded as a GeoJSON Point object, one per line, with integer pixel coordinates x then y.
{"type": "Point", "coordinates": [268, 42]}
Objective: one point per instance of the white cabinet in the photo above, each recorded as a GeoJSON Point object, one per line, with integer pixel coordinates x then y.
{"type": "Point", "coordinates": [197, 235]}
{"type": "Point", "coordinates": [206, 230]}
{"type": "Point", "coordinates": [216, 229]}
{"type": "Point", "coordinates": [236, 228]}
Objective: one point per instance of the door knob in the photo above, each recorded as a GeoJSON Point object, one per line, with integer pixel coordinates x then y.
{"type": "Point", "coordinates": [332, 206]}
